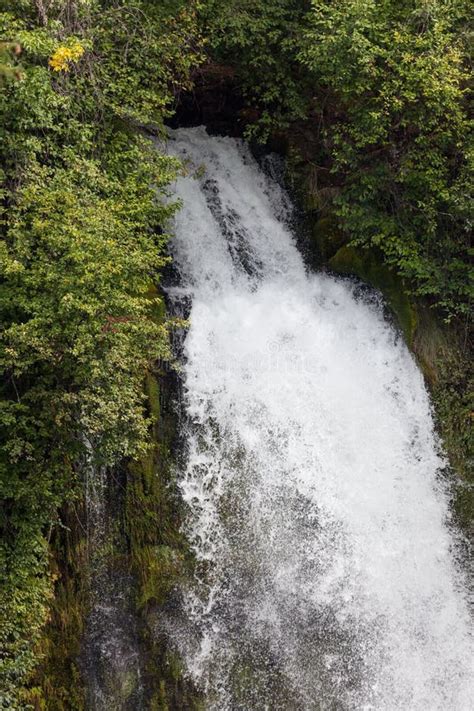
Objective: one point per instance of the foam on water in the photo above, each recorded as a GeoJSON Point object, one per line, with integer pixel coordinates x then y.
{"type": "Point", "coordinates": [326, 574]}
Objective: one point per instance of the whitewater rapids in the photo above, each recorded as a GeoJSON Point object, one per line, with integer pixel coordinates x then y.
{"type": "Point", "coordinates": [327, 573]}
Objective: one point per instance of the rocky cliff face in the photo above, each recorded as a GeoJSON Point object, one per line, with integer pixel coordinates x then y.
{"type": "Point", "coordinates": [118, 559]}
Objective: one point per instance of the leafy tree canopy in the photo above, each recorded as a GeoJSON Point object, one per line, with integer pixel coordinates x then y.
{"type": "Point", "coordinates": [82, 213]}
{"type": "Point", "coordinates": [382, 89]}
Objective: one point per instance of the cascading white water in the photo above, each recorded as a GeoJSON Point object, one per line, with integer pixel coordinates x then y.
{"type": "Point", "coordinates": [327, 575]}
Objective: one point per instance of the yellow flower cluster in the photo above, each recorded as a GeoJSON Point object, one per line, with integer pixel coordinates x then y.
{"type": "Point", "coordinates": [64, 56]}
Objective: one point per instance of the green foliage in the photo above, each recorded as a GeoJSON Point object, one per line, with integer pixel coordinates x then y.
{"type": "Point", "coordinates": [260, 40]}
{"type": "Point", "coordinates": [375, 95]}
{"type": "Point", "coordinates": [140, 78]}
{"type": "Point", "coordinates": [82, 210]}
{"type": "Point", "coordinates": [400, 140]}
{"type": "Point", "coordinates": [8, 72]}
{"type": "Point", "coordinates": [78, 260]}
{"type": "Point", "coordinates": [58, 685]}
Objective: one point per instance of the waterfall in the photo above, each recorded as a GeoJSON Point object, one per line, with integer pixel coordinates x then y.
{"type": "Point", "coordinates": [327, 572]}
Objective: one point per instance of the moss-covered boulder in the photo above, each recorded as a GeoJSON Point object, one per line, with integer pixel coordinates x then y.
{"type": "Point", "coordinates": [326, 238]}
{"type": "Point", "coordinates": [366, 265]}
{"type": "Point", "coordinates": [158, 554]}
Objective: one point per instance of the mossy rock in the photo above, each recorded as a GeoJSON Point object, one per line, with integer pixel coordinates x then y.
{"type": "Point", "coordinates": [158, 309]}
{"type": "Point", "coordinates": [432, 343]}
{"type": "Point", "coordinates": [159, 555]}
{"type": "Point", "coordinates": [326, 238]}
{"type": "Point", "coordinates": [366, 265]}
{"type": "Point", "coordinates": [160, 567]}
{"type": "Point", "coordinates": [152, 390]}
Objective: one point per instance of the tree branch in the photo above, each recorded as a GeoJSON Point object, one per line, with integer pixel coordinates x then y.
{"type": "Point", "coordinates": [41, 12]}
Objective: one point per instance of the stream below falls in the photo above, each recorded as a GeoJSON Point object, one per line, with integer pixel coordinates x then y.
{"type": "Point", "coordinates": [327, 571]}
